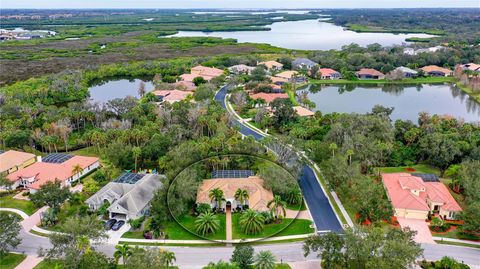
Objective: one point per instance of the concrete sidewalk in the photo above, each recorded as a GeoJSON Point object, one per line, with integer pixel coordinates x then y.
{"type": "Point", "coordinates": [29, 262]}
{"type": "Point", "coordinates": [438, 238]}
{"type": "Point", "coordinates": [228, 224]}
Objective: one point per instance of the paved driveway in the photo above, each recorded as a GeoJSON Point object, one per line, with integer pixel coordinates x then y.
{"type": "Point", "coordinates": [423, 232]}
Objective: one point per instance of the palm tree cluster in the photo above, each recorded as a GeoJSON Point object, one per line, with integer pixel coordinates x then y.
{"type": "Point", "coordinates": [207, 223]}
{"type": "Point", "coordinates": [277, 207]}
{"type": "Point", "coordinates": [252, 222]}
{"type": "Point", "coordinates": [242, 196]}
{"type": "Point", "coordinates": [216, 195]}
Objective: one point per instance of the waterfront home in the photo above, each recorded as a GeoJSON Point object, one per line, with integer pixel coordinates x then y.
{"type": "Point", "coordinates": [436, 71]}
{"type": "Point", "coordinates": [207, 73]}
{"type": "Point", "coordinates": [171, 96]}
{"type": "Point", "coordinates": [258, 196]}
{"type": "Point", "coordinates": [12, 160]}
{"type": "Point", "coordinates": [471, 66]}
{"type": "Point", "coordinates": [369, 73]}
{"type": "Point", "coordinates": [406, 72]}
{"type": "Point", "coordinates": [414, 196]}
{"type": "Point", "coordinates": [272, 65]}
{"type": "Point", "coordinates": [291, 76]}
{"type": "Point", "coordinates": [268, 97]}
{"type": "Point", "coordinates": [241, 69]}
{"type": "Point", "coordinates": [278, 80]}
{"type": "Point", "coordinates": [58, 166]}
{"type": "Point", "coordinates": [303, 112]}
{"type": "Point", "coordinates": [303, 63]}
{"type": "Point", "coordinates": [328, 73]}
{"type": "Point", "coordinates": [128, 196]}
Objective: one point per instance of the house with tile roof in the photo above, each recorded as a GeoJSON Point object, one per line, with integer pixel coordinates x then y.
{"type": "Point", "coordinates": [258, 195]}
{"type": "Point", "coordinates": [171, 96]}
{"type": "Point", "coordinates": [241, 69]}
{"type": "Point", "coordinates": [34, 176]}
{"type": "Point", "coordinates": [414, 196]}
{"type": "Point", "coordinates": [406, 72]}
{"type": "Point", "coordinates": [328, 73]}
{"type": "Point", "coordinates": [207, 73]}
{"type": "Point", "coordinates": [303, 63]}
{"type": "Point", "coordinates": [291, 76]}
{"type": "Point", "coordinates": [271, 65]}
{"type": "Point", "coordinates": [12, 160]}
{"type": "Point", "coordinates": [369, 73]}
{"type": "Point", "coordinates": [303, 112]}
{"type": "Point", "coordinates": [436, 71]}
{"type": "Point", "coordinates": [268, 97]}
{"type": "Point", "coordinates": [127, 200]}
{"type": "Point", "coordinates": [471, 66]}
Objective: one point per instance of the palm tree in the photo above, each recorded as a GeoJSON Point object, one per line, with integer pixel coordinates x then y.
{"type": "Point", "coordinates": [124, 251]}
{"type": "Point", "coordinates": [169, 257]}
{"type": "Point", "coordinates": [241, 195]}
{"type": "Point", "coordinates": [294, 196]}
{"type": "Point", "coordinates": [265, 260]}
{"type": "Point", "coordinates": [333, 147]}
{"type": "Point", "coordinates": [252, 222]}
{"type": "Point", "coordinates": [77, 169]}
{"type": "Point", "coordinates": [217, 196]}
{"type": "Point", "coordinates": [136, 153]}
{"type": "Point", "coordinates": [349, 154]}
{"type": "Point", "coordinates": [207, 223]}
{"type": "Point", "coordinates": [277, 206]}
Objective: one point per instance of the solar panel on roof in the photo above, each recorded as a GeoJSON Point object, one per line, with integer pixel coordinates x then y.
{"type": "Point", "coordinates": [232, 173]}
{"type": "Point", "coordinates": [427, 177]}
{"type": "Point", "coordinates": [129, 178]}
{"type": "Point", "coordinates": [57, 158]}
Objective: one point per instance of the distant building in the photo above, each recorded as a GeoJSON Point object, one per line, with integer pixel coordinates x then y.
{"type": "Point", "coordinates": [412, 51]}
{"type": "Point", "coordinates": [171, 96]}
{"type": "Point", "coordinates": [303, 63]}
{"type": "Point", "coordinates": [53, 167]}
{"type": "Point", "coordinates": [272, 65]}
{"type": "Point", "coordinates": [207, 73]}
{"type": "Point", "coordinates": [415, 195]}
{"type": "Point", "coordinates": [291, 76]}
{"type": "Point", "coordinates": [268, 97]}
{"type": "Point", "coordinates": [278, 81]}
{"type": "Point", "coordinates": [12, 160]}
{"type": "Point", "coordinates": [407, 72]}
{"type": "Point", "coordinates": [128, 196]}
{"type": "Point", "coordinates": [471, 66]}
{"type": "Point", "coordinates": [328, 73]}
{"type": "Point", "coordinates": [369, 73]}
{"type": "Point", "coordinates": [303, 112]}
{"type": "Point", "coordinates": [241, 69]}
{"type": "Point", "coordinates": [436, 71]}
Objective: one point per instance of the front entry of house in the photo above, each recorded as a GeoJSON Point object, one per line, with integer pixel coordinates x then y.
{"type": "Point", "coordinates": [228, 220]}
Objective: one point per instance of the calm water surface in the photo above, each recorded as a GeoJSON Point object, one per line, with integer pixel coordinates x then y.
{"type": "Point", "coordinates": [117, 89]}
{"type": "Point", "coordinates": [307, 35]}
{"type": "Point", "coordinates": [408, 101]}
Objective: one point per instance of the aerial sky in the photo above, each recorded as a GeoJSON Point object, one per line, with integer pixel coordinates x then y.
{"type": "Point", "coordinates": [236, 3]}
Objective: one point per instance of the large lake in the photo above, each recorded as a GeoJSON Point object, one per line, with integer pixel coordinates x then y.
{"type": "Point", "coordinates": [117, 89]}
{"type": "Point", "coordinates": [307, 35]}
{"type": "Point", "coordinates": [408, 101]}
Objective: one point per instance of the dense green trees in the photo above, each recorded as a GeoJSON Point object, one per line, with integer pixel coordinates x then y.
{"type": "Point", "coordinates": [9, 231]}
{"type": "Point", "coordinates": [242, 256]}
{"type": "Point", "coordinates": [51, 194]}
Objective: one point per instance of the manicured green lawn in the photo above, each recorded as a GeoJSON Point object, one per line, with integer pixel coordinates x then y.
{"type": "Point", "coordinates": [286, 227]}
{"type": "Point", "coordinates": [24, 205]}
{"type": "Point", "coordinates": [11, 260]}
{"type": "Point", "coordinates": [297, 207]}
{"type": "Point", "coordinates": [420, 168]}
{"type": "Point", "coordinates": [49, 265]}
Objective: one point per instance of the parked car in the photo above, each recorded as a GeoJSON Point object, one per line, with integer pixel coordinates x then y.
{"type": "Point", "coordinates": [109, 223]}
{"type": "Point", "coordinates": [118, 225]}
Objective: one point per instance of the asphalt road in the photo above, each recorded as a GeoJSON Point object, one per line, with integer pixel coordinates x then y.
{"type": "Point", "coordinates": [318, 204]}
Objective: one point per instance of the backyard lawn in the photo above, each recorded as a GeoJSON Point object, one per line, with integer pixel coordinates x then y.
{"type": "Point", "coordinates": [11, 260]}
{"type": "Point", "coordinates": [419, 168]}
{"type": "Point", "coordinates": [24, 205]}
{"type": "Point", "coordinates": [286, 227]}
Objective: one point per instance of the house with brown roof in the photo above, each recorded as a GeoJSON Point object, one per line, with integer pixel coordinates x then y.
{"type": "Point", "coordinates": [12, 160]}
{"type": "Point", "coordinates": [272, 65]}
{"type": "Point", "coordinates": [471, 66]}
{"type": "Point", "coordinates": [291, 76]}
{"type": "Point", "coordinates": [328, 73]}
{"type": "Point", "coordinates": [303, 112]}
{"type": "Point", "coordinates": [172, 96]}
{"type": "Point", "coordinates": [369, 73]}
{"type": "Point", "coordinates": [62, 168]}
{"type": "Point", "coordinates": [436, 71]}
{"type": "Point", "coordinates": [414, 196]}
{"type": "Point", "coordinates": [207, 73]}
{"type": "Point", "coordinates": [258, 195]}
{"type": "Point", "coordinates": [268, 97]}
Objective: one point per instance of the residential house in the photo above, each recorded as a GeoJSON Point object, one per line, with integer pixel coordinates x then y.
{"type": "Point", "coordinates": [471, 66]}
{"type": "Point", "coordinates": [172, 96]}
{"type": "Point", "coordinates": [407, 72]}
{"type": "Point", "coordinates": [436, 71]}
{"type": "Point", "coordinates": [412, 51]}
{"type": "Point", "coordinates": [272, 65]}
{"type": "Point", "coordinates": [328, 73]}
{"type": "Point", "coordinates": [414, 196]}
{"type": "Point", "coordinates": [278, 81]}
{"type": "Point", "coordinates": [128, 196]}
{"type": "Point", "coordinates": [185, 85]}
{"type": "Point", "coordinates": [268, 97]}
{"type": "Point", "coordinates": [207, 73]}
{"type": "Point", "coordinates": [12, 160]}
{"type": "Point", "coordinates": [57, 166]}
{"type": "Point", "coordinates": [258, 195]}
{"type": "Point", "coordinates": [303, 63]}
{"type": "Point", "coordinates": [241, 69]}
{"type": "Point", "coordinates": [303, 112]}
{"type": "Point", "coordinates": [369, 73]}
{"type": "Point", "coordinates": [291, 76]}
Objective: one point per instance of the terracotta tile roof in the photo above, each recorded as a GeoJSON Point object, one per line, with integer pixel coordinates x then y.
{"type": "Point", "coordinates": [271, 64]}
{"type": "Point", "coordinates": [259, 196]}
{"type": "Point", "coordinates": [303, 112]}
{"type": "Point", "coordinates": [434, 68]}
{"type": "Point", "coordinates": [369, 71]}
{"type": "Point", "coordinates": [172, 96]}
{"type": "Point", "coordinates": [327, 71]}
{"type": "Point", "coordinates": [190, 77]}
{"type": "Point", "coordinates": [268, 97]}
{"type": "Point", "coordinates": [286, 74]}
{"type": "Point", "coordinates": [206, 71]}
{"type": "Point", "coordinates": [278, 80]}
{"type": "Point", "coordinates": [472, 66]}
{"type": "Point", "coordinates": [399, 188]}
{"type": "Point", "coordinates": [185, 85]}
{"type": "Point", "coordinates": [12, 158]}
{"type": "Point", "coordinates": [44, 172]}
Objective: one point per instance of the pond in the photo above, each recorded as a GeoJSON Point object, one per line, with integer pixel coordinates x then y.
{"type": "Point", "coordinates": [307, 35]}
{"type": "Point", "coordinates": [408, 101]}
{"type": "Point", "coordinates": [117, 89]}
